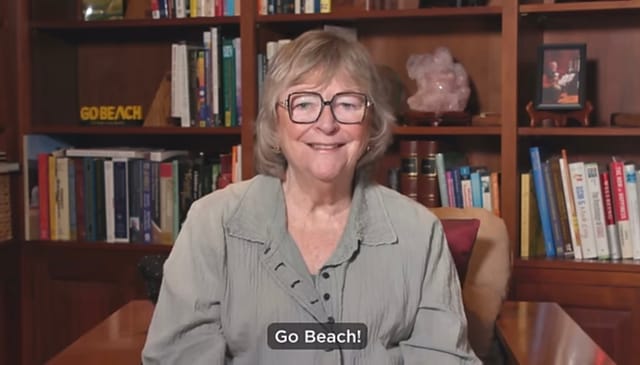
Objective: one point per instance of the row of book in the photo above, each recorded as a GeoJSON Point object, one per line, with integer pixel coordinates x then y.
{"type": "Point", "coordinates": [445, 178]}
{"type": "Point", "coordinates": [267, 7]}
{"type": "Point", "coordinates": [122, 194]}
{"type": "Point", "coordinates": [585, 210]}
{"type": "Point", "coordinates": [206, 81]}
{"type": "Point", "coordinates": [162, 9]}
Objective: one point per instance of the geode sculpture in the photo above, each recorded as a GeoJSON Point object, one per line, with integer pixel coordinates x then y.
{"type": "Point", "coordinates": [443, 85]}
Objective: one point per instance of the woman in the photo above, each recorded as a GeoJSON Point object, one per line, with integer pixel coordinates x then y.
{"type": "Point", "coordinates": [311, 239]}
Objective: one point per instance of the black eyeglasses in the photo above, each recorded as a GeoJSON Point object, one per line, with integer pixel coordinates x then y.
{"type": "Point", "coordinates": [305, 107]}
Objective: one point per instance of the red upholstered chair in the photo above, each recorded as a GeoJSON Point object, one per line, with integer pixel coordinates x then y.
{"type": "Point", "coordinates": [484, 287]}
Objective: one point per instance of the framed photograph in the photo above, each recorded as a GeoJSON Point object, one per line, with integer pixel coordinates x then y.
{"type": "Point", "coordinates": [561, 77]}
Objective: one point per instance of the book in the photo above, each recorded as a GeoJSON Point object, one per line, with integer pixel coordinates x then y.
{"type": "Point", "coordinates": [570, 206]}
{"type": "Point", "coordinates": [6, 167]}
{"type": "Point", "coordinates": [554, 214]}
{"type": "Point", "coordinates": [612, 231]}
{"type": "Point", "coordinates": [408, 175]}
{"type": "Point", "coordinates": [427, 189]}
{"type": "Point", "coordinates": [620, 207]}
{"type": "Point", "coordinates": [541, 198]}
{"type": "Point", "coordinates": [633, 207]}
{"type": "Point", "coordinates": [33, 145]}
{"type": "Point", "coordinates": [581, 197]}
{"type": "Point", "coordinates": [597, 209]}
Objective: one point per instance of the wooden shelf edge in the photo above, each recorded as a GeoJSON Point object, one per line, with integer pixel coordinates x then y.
{"type": "Point", "coordinates": [455, 131]}
{"type": "Point", "coordinates": [355, 15]}
{"type": "Point", "coordinates": [627, 265]}
{"type": "Point", "coordinates": [102, 130]}
{"type": "Point", "coordinates": [8, 242]}
{"type": "Point", "coordinates": [134, 23]}
{"type": "Point", "coordinates": [100, 246]}
{"type": "Point", "coordinates": [579, 6]}
{"type": "Point", "coordinates": [579, 131]}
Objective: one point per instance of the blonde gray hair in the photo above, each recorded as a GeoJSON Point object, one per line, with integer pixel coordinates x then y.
{"type": "Point", "coordinates": [330, 55]}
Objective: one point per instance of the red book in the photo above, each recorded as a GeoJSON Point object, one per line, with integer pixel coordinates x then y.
{"type": "Point", "coordinates": [43, 195]}
{"type": "Point", "coordinates": [609, 219]}
{"type": "Point", "coordinates": [408, 175]}
{"type": "Point", "coordinates": [620, 213]}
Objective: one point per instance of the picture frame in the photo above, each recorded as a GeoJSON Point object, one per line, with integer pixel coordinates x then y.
{"type": "Point", "coordinates": [561, 76]}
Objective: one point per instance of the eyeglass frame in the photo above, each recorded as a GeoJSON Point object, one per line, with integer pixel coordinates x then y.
{"type": "Point", "coordinates": [286, 103]}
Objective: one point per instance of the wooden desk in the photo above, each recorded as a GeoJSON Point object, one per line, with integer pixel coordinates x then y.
{"type": "Point", "coordinates": [533, 333]}
{"type": "Point", "coordinates": [116, 340]}
{"type": "Point", "coordinates": [542, 333]}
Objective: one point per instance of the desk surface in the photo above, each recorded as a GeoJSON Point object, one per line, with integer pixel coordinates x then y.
{"type": "Point", "coordinates": [116, 340]}
{"type": "Point", "coordinates": [542, 333]}
{"type": "Point", "coordinates": [533, 332]}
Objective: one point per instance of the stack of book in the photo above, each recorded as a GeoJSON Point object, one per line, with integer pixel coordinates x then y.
{"type": "Point", "coordinates": [445, 179]}
{"type": "Point", "coordinates": [123, 195]}
{"type": "Point", "coordinates": [585, 210]}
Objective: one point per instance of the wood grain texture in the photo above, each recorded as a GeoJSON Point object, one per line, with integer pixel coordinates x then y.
{"type": "Point", "coordinates": [542, 333]}
{"type": "Point", "coordinates": [604, 298]}
{"type": "Point", "coordinates": [118, 339]}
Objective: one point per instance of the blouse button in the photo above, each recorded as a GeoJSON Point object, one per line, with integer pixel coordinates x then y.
{"type": "Point", "coordinates": [325, 275]}
{"type": "Point", "coordinates": [326, 296]}
{"type": "Point", "coordinates": [331, 320]}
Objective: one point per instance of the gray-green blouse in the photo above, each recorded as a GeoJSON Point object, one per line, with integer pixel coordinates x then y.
{"type": "Point", "coordinates": [234, 270]}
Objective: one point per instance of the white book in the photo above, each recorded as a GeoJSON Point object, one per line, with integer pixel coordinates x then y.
{"type": "Point", "coordinates": [597, 209]}
{"type": "Point", "coordinates": [571, 211]}
{"type": "Point", "coordinates": [633, 207]}
{"type": "Point", "coordinates": [442, 180]}
{"type": "Point", "coordinates": [175, 106]}
{"type": "Point", "coordinates": [612, 229]}
{"type": "Point", "coordinates": [485, 181]}
{"type": "Point", "coordinates": [180, 8]}
{"type": "Point", "coordinates": [6, 167]}
{"type": "Point", "coordinates": [183, 86]}
{"type": "Point", "coordinates": [163, 155]}
{"type": "Point", "coordinates": [109, 212]}
{"type": "Point", "coordinates": [583, 210]}
{"type": "Point", "coordinates": [108, 152]}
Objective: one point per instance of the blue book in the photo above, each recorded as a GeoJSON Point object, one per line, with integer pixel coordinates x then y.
{"type": "Point", "coordinates": [554, 212]}
{"type": "Point", "coordinates": [476, 189]}
{"type": "Point", "coordinates": [541, 198]}
{"type": "Point", "coordinates": [457, 188]}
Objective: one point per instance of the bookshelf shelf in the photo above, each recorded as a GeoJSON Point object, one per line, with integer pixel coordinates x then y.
{"type": "Point", "coordinates": [146, 131]}
{"type": "Point", "coordinates": [7, 242]}
{"type": "Point", "coordinates": [446, 131]}
{"type": "Point", "coordinates": [134, 23]}
{"type": "Point", "coordinates": [151, 248]}
{"type": "Point", "coordinates": [359, 15]}
{"type": "Point", "coordinates": [592, 131]}
{"type": "Point", "coordinates": [575, 7]}
{"type": "Point", "coordinates": [590, 265]}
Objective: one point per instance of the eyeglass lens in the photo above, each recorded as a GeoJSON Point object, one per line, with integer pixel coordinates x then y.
{"type": "Point", "coordinates": [306, 107]}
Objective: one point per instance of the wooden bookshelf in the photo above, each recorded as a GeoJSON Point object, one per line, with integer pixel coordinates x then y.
{"type": "Point", "coordinates": [62, 62]}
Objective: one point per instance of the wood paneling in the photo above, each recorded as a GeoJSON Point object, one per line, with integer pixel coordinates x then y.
{"type": "Point", "coordinates": [9, 299]}
{"type": "Point", "coordinates": [73, 287]}
{"type": "Point", "coordinates": [606, 304]}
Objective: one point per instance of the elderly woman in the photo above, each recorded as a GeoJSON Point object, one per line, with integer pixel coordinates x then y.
{"type": "Point", "coordinates": [311, 239]}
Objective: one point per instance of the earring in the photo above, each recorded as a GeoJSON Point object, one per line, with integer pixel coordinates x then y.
{"type": "Point", "coordinates": [276, 149]}
{"type": "Point", "coordinates": [368, 149]}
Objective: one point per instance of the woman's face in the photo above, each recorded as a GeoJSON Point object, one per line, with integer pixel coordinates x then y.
{"type": "Point", "coordinates": [326, 150]}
